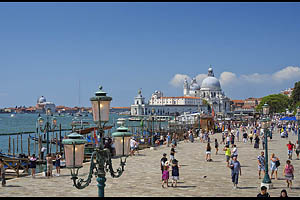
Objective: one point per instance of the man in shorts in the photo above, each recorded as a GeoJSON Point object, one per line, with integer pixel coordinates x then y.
{"type": "Point", "coordinates": [261, 164]}
{"type": "Point", "coordinates": [290, 146]}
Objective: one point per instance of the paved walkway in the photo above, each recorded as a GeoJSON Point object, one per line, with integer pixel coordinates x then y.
{"type": "Point", "coordinates": [142, 176]}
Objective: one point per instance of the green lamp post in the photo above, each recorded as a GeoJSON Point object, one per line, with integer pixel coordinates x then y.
{"type": "Point", "coordinates": [47, 127]}
{"type": "Point", "coordinates": [101, 157]}
{"type": "Point", "coordinates": [298, 121]}
{"type": "Point", "coordinates": [265, 123]}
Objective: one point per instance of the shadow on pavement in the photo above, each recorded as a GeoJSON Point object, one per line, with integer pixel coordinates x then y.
{"type": "Point", "coordinates": [250, 187]}
{"type": "Point", "coordinates": [13, 186]}
{"type": "Point", "coordinates": [186, 186]}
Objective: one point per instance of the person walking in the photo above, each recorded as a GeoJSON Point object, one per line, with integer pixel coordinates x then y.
{"type": "Point", "coordinates": [290, 146]}
{"type": "Point", "coordinates": [245, 137]}
{"type": "Point", "coordinates": [234, 151]}
{"type": "Point", "coordinates": [238, 135]}
{"type": "Point", "coordinates": [168, 139]}
{"type": "Point", "coordinates": [33, 160]}
{"type": "Point", "coordinates": [251, 137]}
{"type": "Point", "coordinates": [274, 165]}
{"type": "Point", "coordinates": [172, 153]}
{"type": "Point", "coordinates": [2, 173]}
{"type": "Point", "coordinates": [256, 143]}
{"type": "Point", "coordinates": [163, 160]}
{"type": "Point", "coordinates": [208, 152]}
{"type": "Point", "coordinates": [227, 153]}
{"type": "Point", "coordinates": [49, 161]}
{"type": "Point", "coordinates": [297, 149]}
{"type": "Point", "coordinates": [261, 164]}
{"type": "Point", "coordinates": [165, 175]}
{"type": "Point", "coordinates": [232, 139]}
{"type": "Point", "coordinates": [235, 167]}
{"type": "Point", "coordinates": [288, 173]}
{"type": "Point", "coordinates": [216, 146]}
{"type": "Point", "coordinates": [43, 149]}
{"type": "Point", "coordinates": [57, 163]}
{"type": "Point", "coordinates": [175, 172]}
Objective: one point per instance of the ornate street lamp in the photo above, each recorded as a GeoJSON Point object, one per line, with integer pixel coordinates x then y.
{"type": "Point", "coordinates": [298, 120]}
{"type": "Point", "coordinates": [47, 128]}
{"type": "Point", "coordinates": [101, 157]}
{"type": "Point", "coordinates": [265, 124]}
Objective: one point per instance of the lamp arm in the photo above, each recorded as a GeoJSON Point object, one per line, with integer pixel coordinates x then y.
{"type": "Point", "coordinates": [81, 183]}
{"type": "Point", "coordinates": [109, 166]}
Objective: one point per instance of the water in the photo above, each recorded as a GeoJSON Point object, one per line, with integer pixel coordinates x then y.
{"type": "Point", "coordinates": [27, 122]}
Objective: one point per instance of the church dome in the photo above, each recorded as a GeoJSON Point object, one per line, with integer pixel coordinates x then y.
{"type": "Point", "coordinates": [194, 85]}
{"type": "Point", "coordinates": [42, 99]}
{"type": "Point", "coordinates": [211, 83]}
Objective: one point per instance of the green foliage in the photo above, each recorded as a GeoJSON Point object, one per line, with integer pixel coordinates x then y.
{"type": "Point", "coordinates": [277, 102]}
{"type": "Point", "coordinates": [204, 102]}
{"type": "Point", "coordinates": [296, 93]}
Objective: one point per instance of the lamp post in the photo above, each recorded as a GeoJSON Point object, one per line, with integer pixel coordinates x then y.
{"type": "Point", "coordinates": [265, 123]}
{"type": "Point", "coordinates": [101, 157]}
{"type": "Point", "coordinates": [47, 128]}
{"type": "Point", "coordinates": [298, 120]}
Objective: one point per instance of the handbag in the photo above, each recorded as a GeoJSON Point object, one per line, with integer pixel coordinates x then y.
{"type": "Point", "coordinates": [277, 163]}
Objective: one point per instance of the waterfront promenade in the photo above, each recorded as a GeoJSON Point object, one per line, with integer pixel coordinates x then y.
{"type": "Point", "coordinates": [142, 176]}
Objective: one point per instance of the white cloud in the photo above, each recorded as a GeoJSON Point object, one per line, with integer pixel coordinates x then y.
{"type": "Point", "coordinates": [178, 79]}
{"type": "Point", "coordinates": [255, 78]}
{"type": "Point", "coordinates": [227, 78]}
{"type": "Point", "coordinates": [287, 73]}
{"type": "Point", "coordinates": [200, 78]}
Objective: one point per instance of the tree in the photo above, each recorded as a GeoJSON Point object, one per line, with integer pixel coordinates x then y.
{"type": "Point", "coordinates": [277, 102]}
{"type": "Point", "coordinates": [296, 93]}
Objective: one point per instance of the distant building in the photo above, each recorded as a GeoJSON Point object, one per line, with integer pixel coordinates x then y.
{"type": "Point", "coordinates": [287, 92]}
{"type": "Point", "coordinates": [43, 105]}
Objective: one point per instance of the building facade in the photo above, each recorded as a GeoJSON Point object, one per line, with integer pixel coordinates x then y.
{"type": "Point", "coordinates": [43, 105]}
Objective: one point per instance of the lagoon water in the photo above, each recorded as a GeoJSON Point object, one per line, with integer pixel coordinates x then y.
{"type": "Point", "coordinates": [27, 122]}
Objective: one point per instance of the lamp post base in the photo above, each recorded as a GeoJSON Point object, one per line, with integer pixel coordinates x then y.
{"type": "Point", "coordinates": [267, 185]}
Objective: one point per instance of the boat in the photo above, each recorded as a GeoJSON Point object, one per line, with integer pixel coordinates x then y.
{"type": "Point", "coordinates": [134, 119]}
{"type": "Point", "coordinates": [12, 115]}
{"type": "Point", "coordinates": [53, 141]}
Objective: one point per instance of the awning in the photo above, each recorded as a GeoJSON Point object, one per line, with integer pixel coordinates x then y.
{"type": "Point", "coordinates": [288, 119]}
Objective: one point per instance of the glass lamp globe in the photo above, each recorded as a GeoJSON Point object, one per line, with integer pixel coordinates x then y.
{"type": "Point", "coordinates": [100, 106]}
{"type": "Point", "coordinates": [122, 141]}
{"type": "Point", "coordinates": [266, 109]}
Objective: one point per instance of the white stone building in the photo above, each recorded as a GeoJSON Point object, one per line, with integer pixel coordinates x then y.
{"type": "Point", "coordinates": [210, 90]}
{"type": "Point", "coordinates": [43, 105]}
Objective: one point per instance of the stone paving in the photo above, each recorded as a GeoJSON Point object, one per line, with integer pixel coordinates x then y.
{"type": "Point", "coordinates": [142, 176]}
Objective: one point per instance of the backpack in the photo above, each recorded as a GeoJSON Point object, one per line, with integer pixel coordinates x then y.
{"type": "Point", "coordinates": [277, 163]}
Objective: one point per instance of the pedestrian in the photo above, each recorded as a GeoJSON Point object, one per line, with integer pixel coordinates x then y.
{"type": "Point", "coordinates": [261, 164]}
{"type": "Point", "coordinates": [238, 135]}
{"type": "Point", "coordinates": [33, 160]}
{"type": "Point", "coordinates": [175, 172]}
{"type": "Point", "coordinates": [263, 192]}
{"type": "Point", "coordinates": [208, 152]}
{"type": "Point", "coordinates": [251, 137]}
{"type": "Point", "coordinates": [288, 172]}
{"type": "Point", "coordinates": [245, 137]}
{"type": "Point", "coordinates": [227, 153]}
{"type": "Point", "coordinates": [43, 149]}
{"type": "Point", "coordinates": [172, 153]}
{"type": "Point", "coordinates": [256, 143]}
{"type": "Point", "coordinates": [185, 139]}
{"type": "Point", "coordinates": [232, 139]}
{"type": "Point", "coordinates": [297, 149]}
{"type": "Point", "coordinates": [274, 165]}
{"type": "Point", "coordinates": [228, 139]}
{"type": "Point", "coordinates": [191, 136]}
{"type": "Point", "coordinates": [223, 138]}
{"type": "Point", "coordinates": [57, 163]}
{"type": "Point", "coordinates": [234, 151]}
{"type": "Point", "coordinates": [163, 160]}
{"type": "Point", "coordinates": [165, 175]}
{"type": "Point", "coordinates": [168, 139]}
{"type": "Point", "coordinates": [49, 160]}
{"type": "Point", "coordinates": [2, 173]}
{"type": "Point", "coordinates": [235, 167]}
{"type": "Point", "coordinates": [216, 146]}
{"type": "Point", "coordinates": [132, 146]}
{"type": "Point", "coordinates": [290, 146]}
{"type": "Point", "coordinates": [283, 193]}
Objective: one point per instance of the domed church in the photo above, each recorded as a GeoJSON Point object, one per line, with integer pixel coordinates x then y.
{"type": "Point", "coordinates": [210, 90]}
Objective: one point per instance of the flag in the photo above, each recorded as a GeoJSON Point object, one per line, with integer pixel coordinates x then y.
{"type": "Point", "coordinates": [95, 136]}
{"type": "Point", "coordinates": [212, 112]}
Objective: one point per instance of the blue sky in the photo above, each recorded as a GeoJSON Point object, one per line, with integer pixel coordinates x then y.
{"type": "Point", "coordinates": [46, 48]}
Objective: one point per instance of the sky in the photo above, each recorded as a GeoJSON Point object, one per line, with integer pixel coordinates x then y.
{"type": "Point", "coordinates": [46, 49]}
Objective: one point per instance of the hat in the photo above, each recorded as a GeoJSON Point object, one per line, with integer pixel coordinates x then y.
{"type": "Point", "coordinates": [167, 163]}
{"type": "Point", "coordinates": [164, 154]}
{"type": "Point", "coordinates": [174, 161]}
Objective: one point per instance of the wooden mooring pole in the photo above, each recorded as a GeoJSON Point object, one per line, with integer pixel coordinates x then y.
{"type": "Point", "coordinates": [9, 148]}
{"type": "Point", "coordinates": [28, 145]}
{"type": "Point", "coordinates": [21, 144]}
{"type": "Point", "coordinates": [13, 146]}
{"type": "Point", "coordinates": [17, 144]}
{"type": "Point", "coordinates": [56, 142]}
